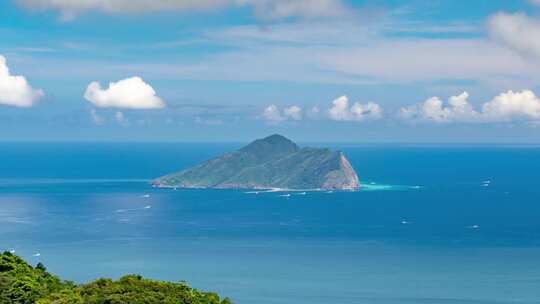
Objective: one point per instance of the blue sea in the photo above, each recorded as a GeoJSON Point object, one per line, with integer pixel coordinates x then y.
{"type": "Point", "coordinates": [432, 224]}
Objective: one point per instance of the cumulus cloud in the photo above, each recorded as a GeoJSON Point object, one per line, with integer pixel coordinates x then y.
{"type": "Point", "coordinates": [513, 105]}
{"type": "Point", "coordinates": [506, 107]}
{"type": "Point", "coordinates": [267, 9]}
{"type": "Point", "coordinates": [274, 115]}
{"type": "Point", "coordinates": [433, 109]}
{"type": "Point", "coordinates": [293, 112]}
{"type": "Point", "coordinates": [517, 31]}
{"type": "Point", "coordinates": [15, 90]}
{"type": "Point", "coordinates": [340, 110]}
{"type": "Point", "coordinates": [131, 93]}
{"type": "Point", "coordinates": [271, 113]}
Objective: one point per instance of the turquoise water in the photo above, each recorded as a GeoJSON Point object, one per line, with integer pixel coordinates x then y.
{"type": "Point", "coordinates": [432, 224]}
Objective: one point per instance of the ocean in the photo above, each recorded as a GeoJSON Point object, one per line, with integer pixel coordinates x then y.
{"type": "Point", "coordinates": [432, 224]}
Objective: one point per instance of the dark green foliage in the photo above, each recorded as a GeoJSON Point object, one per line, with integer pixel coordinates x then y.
{"type": "Point", "coordinates": [137, 290]}
{"type": "Point", "coordinates": [66, 296]}
{"type": "Point", "coordinates": [20, 283]}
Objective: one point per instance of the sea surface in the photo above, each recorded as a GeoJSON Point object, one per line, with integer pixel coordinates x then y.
{"type": "Point", "coordinates": [431, 224]}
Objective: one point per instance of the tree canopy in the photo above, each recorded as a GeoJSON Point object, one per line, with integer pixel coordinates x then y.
{"type": "Point", "coordinates": [20, 283]}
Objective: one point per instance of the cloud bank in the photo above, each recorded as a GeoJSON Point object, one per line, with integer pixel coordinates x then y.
{"type": "Point", "coordinates": [15, 90]}
{"type": "Point", "coordinates": [130, 93]}
{"type": "Point", "coordinates": [266, 9]}
{"type": "Point", "coordinates": [339, 111]}
{"type": "Point", "coordinates": [506, 107]}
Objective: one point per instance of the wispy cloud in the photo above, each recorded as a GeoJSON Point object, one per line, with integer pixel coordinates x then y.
{"type": "Point", "coordinates": [343, 51]}
{"type": "Point", "coordinates": [208, 121]}
{"type": "Point", "coordinates": [121, 119]}
{"type": "Point", "coordinates": [348, 52]}
{"type": "Point", "coordinates": [263, 9]}
{"type": "Point", "coordinates": [517, 31]}
{"type": "Point", "coordinates": [96, 118]}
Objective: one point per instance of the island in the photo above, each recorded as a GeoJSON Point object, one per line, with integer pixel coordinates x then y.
{"type": "Point", "coordinates": [273, 162]}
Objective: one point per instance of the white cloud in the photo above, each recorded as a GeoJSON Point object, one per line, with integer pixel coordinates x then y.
{"type": "Point", "coordinates": [267, 9]}
{"type": "Point", "coordinates": [512, 105]}
{"type": "Point", "coordinates": [15, 90]}
{"type": "Point", "coordinates": [293, 112]}
{"type": "Point", "coordinates": [433, 109]}
{"type": "Point", "coordinates": [130, 93]}
{"type": "Point", "coordinates": [506, 107]}
{"type": "Point", "coordinates": [535, 2]}
{"type": "Point", "coordinates": [96, 118]}
{"type": "Point", "coordinates": [340, 110]}
{"type": "Point", "coordinates": [517, 31]}
{"type": "Point", "coordinates": [273, 114]}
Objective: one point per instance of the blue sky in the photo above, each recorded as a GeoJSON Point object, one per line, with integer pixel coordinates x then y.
{"type": "Point", "coordinates": [233, 70]}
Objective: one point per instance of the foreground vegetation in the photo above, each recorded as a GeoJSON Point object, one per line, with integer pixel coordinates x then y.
{"type": "Point", "coordinates": [21, 283]}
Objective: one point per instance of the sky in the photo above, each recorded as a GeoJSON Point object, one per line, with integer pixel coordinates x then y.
{"type": "Point", "coordinates": [388, 71]}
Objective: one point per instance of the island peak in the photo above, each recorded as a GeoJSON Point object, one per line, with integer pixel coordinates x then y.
{"type": "Point", "coordinates": [271, 145]}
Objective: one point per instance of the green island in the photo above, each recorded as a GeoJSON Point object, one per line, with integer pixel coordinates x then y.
{"type": "Point", "coordinates": [269, 163]}
{"type": "Point", "coordinates": [20, 283]}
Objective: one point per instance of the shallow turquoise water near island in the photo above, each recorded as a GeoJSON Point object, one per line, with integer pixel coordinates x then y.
{"type": "Point", "coordinates": [435, 224]}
